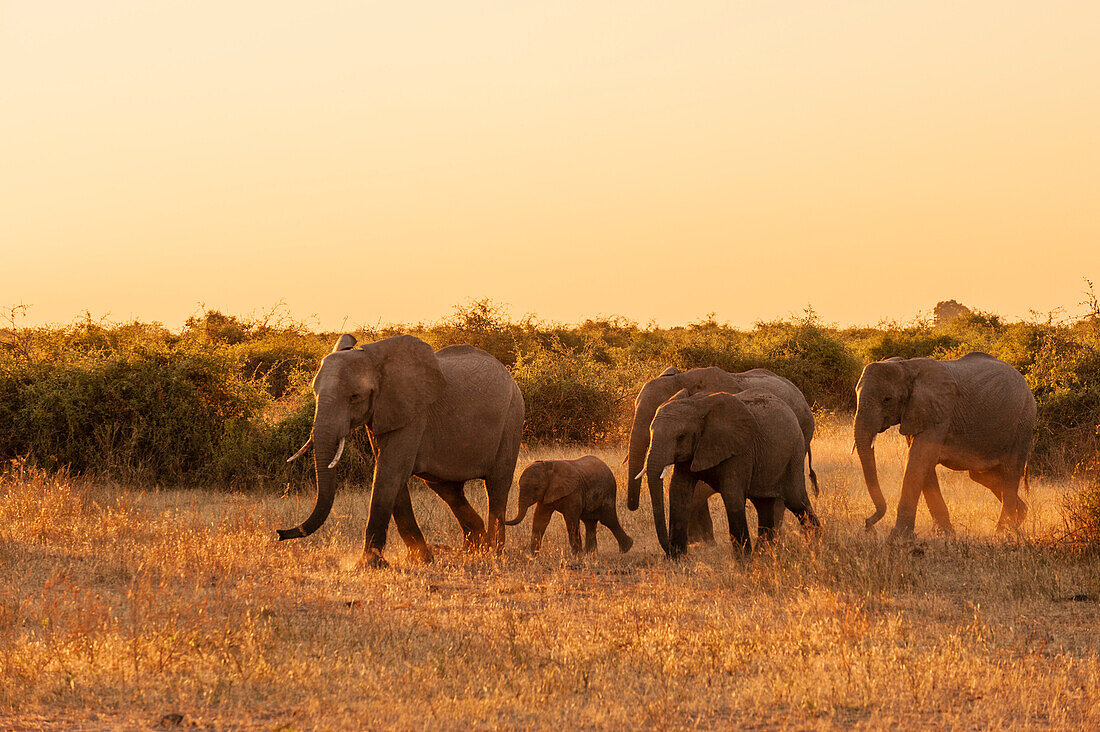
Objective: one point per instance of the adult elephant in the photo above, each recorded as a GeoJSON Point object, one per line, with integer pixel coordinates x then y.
{"type": "Point", "coordinates": [707, 380]}
{"type": "Point", "coordinates": [974, 413]}
{"type": "Point", "coordinates": [747, 445]}
{"type": "Point", "coordinates": [445, 417]}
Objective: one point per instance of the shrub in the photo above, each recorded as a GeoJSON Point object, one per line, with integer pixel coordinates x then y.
{"type": "Point", "coordinates": [226, 400]}
{"type": "Point", "coordinates": [569, 397]}
{"type": "Point", "coordinates": [1065, 378]}
{"type": "Point", "coordinates": [1083, 516]}
{"type": "Point", "coordinates": [280, 360]}
{"type": "Point", "coordinates": [141, 416]}
{"type": "Point", "coordinates": [813, 358]}
{"type": "Point", "coordinates": [911, 342]}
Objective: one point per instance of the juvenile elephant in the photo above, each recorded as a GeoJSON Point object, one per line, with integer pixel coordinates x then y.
{"type": "Point", "coordinates": [582, 490]}
{"type": "Point", "coordinates": [745, 446]}
{"type": "Point", "coordinates": [707, 381]}
{"type": "Point", "coordinates": [446, 417]}
{"type": "Point", "coordinates": [975, 413]}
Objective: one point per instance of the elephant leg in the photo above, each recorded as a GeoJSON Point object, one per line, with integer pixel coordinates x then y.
{"type": "Point", "coordinates": [539, 523]}
{"type": "Point", "coordinates": [738, 523]}
{"type": "Point", "coordinates": [765, 519]}
{"type": "Point", "coordinates": [610, 519]}
{"type": "Point", "coordinates": [1005, 485]}
{"type": "Point", "coordinates": [805, 514]}
{"type": "Point", "coordinates": [589, 535]}
{"type": "Point", "coordinates": [454, 495]}
{"type": "Point", "coordinates": [923, 456]}
{"type": "Point", "coordinates": [936, 506]}
{"type": "Point", "coordinates": [497, 488]}
{"type": "Point", "coordinates": [409, 529]}
{"type": "Point", "coordinates": [795, 499]}
{"type": "Point", "coordinates": [990, 480]}
{"type": "Point", "coordinates": [573, 527]}
{"type": "Point", "coordinates": [392, 470]}
{"type": "Point", "coordinates": [681, 489]}
{"type": "Point", "coordinates": [701, 526]}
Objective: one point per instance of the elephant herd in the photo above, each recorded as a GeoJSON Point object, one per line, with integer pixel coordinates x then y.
{"type": "Point", "coordinates": [456, 414]}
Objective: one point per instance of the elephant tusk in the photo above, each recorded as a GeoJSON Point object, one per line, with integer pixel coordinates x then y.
{"type": "Point", "coordinates": [666, 471]}
{"type": "Point", "coordinates": [640, 474]}
{"type": "Point", "coordinates": [339, 452]}
{"type": "Point", "coordinates": [301, 450]}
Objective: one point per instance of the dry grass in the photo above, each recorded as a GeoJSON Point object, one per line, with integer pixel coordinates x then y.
{"type": "Point", "coordinates": [119, 607]}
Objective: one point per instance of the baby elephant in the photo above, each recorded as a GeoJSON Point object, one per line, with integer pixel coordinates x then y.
{"type": "Point", "coordinates": [581, 489]}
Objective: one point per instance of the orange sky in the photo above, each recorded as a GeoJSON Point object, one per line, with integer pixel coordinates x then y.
{"type": "Point", "coordinates": [385, 161]}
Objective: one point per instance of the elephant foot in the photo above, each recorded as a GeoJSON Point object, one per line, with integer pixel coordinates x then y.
{"type": "Point", "coordinates": [475, 541]}
{"type": "Point", "coordinates": [625, 544]}
{"type": "Point", "coordinates": [900, 535]}
{"type": "Point", "coordinates": [420, 554]}
{"type": "Point", "coordinates": [372, 559]}
{"type": "Point", "coordinates": [765, 543]}
{"type": "Point", "coordinates": [947, 531]}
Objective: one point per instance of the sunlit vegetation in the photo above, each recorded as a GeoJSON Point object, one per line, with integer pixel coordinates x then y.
{"type": "Point", "coordinates": [122, 607]}
{"type": "Point", "coordinates": [144, 470]}
{"type": "Point", "coordinates": [225, 399]}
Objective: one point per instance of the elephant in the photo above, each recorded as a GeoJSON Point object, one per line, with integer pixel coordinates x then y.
{"type": "Point", "coordinates": [582, 490]}
{"type": "Point", "coordinates": [711, 379]}
{"type": "Point", "coordinates": [747, 445]}
{"type": "Point", "coordinates": [974, 413]}
{"type": "Point", "coordinates": [446, 417]}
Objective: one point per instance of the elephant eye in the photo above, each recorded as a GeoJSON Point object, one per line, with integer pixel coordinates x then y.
{"type": "Point", "coordinates": [887, 399]}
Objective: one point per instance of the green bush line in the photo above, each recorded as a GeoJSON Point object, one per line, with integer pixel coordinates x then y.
{"type": "Point", "coordinates": [225, 400]}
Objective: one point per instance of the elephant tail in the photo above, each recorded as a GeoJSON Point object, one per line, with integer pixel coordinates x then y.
{"type": "Point", "coordinates": [813, 475]}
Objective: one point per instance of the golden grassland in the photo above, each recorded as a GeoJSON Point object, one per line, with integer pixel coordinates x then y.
{"type": "Point", "coordinates": [119, 608]}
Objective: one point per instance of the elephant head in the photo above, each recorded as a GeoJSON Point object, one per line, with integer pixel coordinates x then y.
{"type": "Point", "coordinates": [384, 385]}
{"type": "Point", "coordinates": [916, 393]}
{"type": "Point", "coordinates": [542, 482]}
{"type": "Point", "coordinates": [704, 429]}
{"type": "Point", "coordinates": [655, 393]}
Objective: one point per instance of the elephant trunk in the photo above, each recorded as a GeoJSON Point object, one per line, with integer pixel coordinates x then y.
{"type": "Point", "coordinates": [524, 504]}
{"type": "Point", "coordinates": [323, 454]}
{"type": "Point", "coordinates": [864, 439]}
{"type": "Point", "coordinates": [639, 443]}
{"type": "Point", "coordinates": [657, 496]}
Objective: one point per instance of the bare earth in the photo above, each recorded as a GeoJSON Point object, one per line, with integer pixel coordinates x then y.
{"type": "Point", "coordinates": [121, 608]}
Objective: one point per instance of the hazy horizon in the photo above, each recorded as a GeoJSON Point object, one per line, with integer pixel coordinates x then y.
{"type": "Point", "coordinates": [383, 163]}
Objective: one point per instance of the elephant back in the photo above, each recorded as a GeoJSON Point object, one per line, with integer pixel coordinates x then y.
{"type": "Point", "coordinates": [598, 483]}
{"type": "Point", "coordinates": [778, 424]}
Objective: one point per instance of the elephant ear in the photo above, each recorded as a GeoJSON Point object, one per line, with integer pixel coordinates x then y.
{"type": "Point", "coordinates": [409, 380]}
{"type": "Point", "coordinates": [560, 482]}
{"type": "Point", "coordinates": [932, 396]}
{"type": "Point", "coordinates": [728, 429]}
{"type": "Point", "coordinates": [344, 343]}
{"type": "Point", "coordinates": [682, 394]}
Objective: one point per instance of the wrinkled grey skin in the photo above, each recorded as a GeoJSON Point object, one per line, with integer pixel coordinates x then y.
{"type": "Point", "coordinates": [445, 417]}
{"type": "Point", "coordinates": [975, 413]}
{"type": "Point", "coordinates": [581, 490]}
{"type": "Point", "coordinates": [706, 381]}
{"type": "Point", "coordinates": [747, 445]}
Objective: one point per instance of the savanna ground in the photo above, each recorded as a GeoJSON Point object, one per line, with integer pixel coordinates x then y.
{"type": "Point", "coordinates": [122, 607]}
